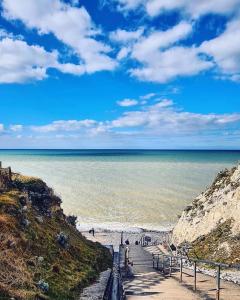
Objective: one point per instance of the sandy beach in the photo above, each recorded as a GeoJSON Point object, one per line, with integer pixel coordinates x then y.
{"type": "Point", "coordinates": [114, 237]}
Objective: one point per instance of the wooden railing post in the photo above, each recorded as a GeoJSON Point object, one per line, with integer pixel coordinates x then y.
{"type": "Point", "coordinates": [218, 282]}
{"type": "Point", "coordinates": [158, 262]}
{"type": "Point", "coordinates": [195, 275]}
{"type": "Point", "coordinates": [153, 258]}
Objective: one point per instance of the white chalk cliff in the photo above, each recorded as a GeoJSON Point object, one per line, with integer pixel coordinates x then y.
{"type": "Point", "coordinates": [218, 204]}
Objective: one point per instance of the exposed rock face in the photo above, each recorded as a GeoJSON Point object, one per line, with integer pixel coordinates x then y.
{"type": "Point", "coordinates": [219, 204]}
{"type": "Point", "coordinates": [5, 178]}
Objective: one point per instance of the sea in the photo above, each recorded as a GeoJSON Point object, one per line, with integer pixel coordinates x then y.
{"type": "Point", "coordinates": [127, 190]}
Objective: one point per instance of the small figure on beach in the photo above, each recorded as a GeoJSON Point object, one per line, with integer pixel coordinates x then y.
{"type": "Point", "coordinates": [126, 257]}
{"type": "Point", "coordinates": [121, 238]}
{"type": "Point", "coordinates": [92, 231]}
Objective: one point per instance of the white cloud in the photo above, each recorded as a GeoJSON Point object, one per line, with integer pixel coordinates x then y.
{"type": "Point", "coordinates": [1, 127]}
{"type": "Point", "coordinates": [123, 53]}
{"type": "Point", "coordinates": [148, 96]}
{"type": "Point", "coordinates": [150, 45]}
{"type": "Point", "coordinates": [71, 68]}
{"type": "Point", "coordinates": [163, 103]}
{"type": "Point", "coordinates": [133, 102]}
{"type": "Point", "coordinates": [155, 7]}
{"type": "Point", "coordinates": [225, 50]}
{"type": "Point", "coordinates": [156, 121]}
{"type": "Point", "coordinates": [62, 125]}
{"type": "Point", "coordinates": [71, 25]}
{"type": "Point", "coordinates": [154, 55]}
{"type": "Point", "coordinates": [127, 102]}
{"type": "Point", "coordinates": [16, 128]}
{"type": "Point", "coordinates": [163, 66]}
{"type": "Point", "coordinates": [124, 36]}
{"type": "Point", "coordinates": [226, 119]}
{"type": "Point", "coordinates": [192, 8]}
{"type": "Point", "coordinates": [222, 7]}
{"type": "Point", "coordinates": [161, 60]}
{"type": "Point", "coordinates": [126, 40]}
{"type": "Point", "coordinates": [164, 118]}
{"type": "Point", "coordinates": [20, 62]}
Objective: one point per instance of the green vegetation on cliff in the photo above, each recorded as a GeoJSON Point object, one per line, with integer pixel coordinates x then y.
{"type": "Point", "coordinates": [211, 224]}
{"type": "Point", "coordinates": [219, 245]}
{"type": "Point", "coordinates": [43, 256]}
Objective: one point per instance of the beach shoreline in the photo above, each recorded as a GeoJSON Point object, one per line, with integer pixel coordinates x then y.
{"type": "Point", "coordinates": [114, 238]}
{"type": "Point", "coordinates": [83, 226]}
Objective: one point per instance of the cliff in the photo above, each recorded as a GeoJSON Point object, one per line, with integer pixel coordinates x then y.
{"type": "Point", "coordinates": [42, 254]}
{"type": "Point", "coordinates": [5, 178]}
{"type": "Point", "coordinates": [211, 224]}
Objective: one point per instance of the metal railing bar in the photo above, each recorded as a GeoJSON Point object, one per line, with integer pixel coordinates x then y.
{"type": "Point", "coordinates": [204, 261]}
{"type": "Point", "coordinates": [171, 263]}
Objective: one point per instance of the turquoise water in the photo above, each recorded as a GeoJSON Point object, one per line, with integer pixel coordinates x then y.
{"type": "Point", "coordinates": [122, 189]}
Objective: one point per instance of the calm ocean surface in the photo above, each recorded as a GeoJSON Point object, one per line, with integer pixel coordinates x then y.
{"type": "Point", "coordinates": [122, 189]}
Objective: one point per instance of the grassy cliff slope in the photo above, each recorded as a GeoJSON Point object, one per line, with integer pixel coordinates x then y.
{"type": "Point", "coordinates": [42, 255]}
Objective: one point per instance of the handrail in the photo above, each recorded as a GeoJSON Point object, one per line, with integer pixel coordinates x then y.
{"type": "Point", "coordinates": [205, 261]}
{"type": "Point", "coordinates": [170, 267]}
{"type": "Point", "coordinates": [142, 240]}
{"type": "Point", "coordinates": [114, 287]}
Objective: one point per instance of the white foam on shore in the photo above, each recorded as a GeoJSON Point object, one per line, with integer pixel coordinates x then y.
{"type": "Point", "coordinates": [85, 226]}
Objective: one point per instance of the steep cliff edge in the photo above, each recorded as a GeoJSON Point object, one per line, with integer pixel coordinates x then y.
{"type": "Point", "coordinates": [212, 222]}
{"type": "Point", "coordinates": [42, 255]}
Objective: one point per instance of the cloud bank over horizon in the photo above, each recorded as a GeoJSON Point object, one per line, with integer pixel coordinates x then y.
{"type": "Point", "coordinates": [153, 121]}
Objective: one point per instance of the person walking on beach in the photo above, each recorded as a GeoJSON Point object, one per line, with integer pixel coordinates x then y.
{"type": "Point", "coordinates": [92, 231]}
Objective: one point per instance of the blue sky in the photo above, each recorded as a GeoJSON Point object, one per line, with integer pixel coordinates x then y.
{"type": "Point", "coordinates": [120, 74]}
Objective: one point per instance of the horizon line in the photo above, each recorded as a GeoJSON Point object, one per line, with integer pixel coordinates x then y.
{"type": "Point", "coordinates": [119, 149]}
